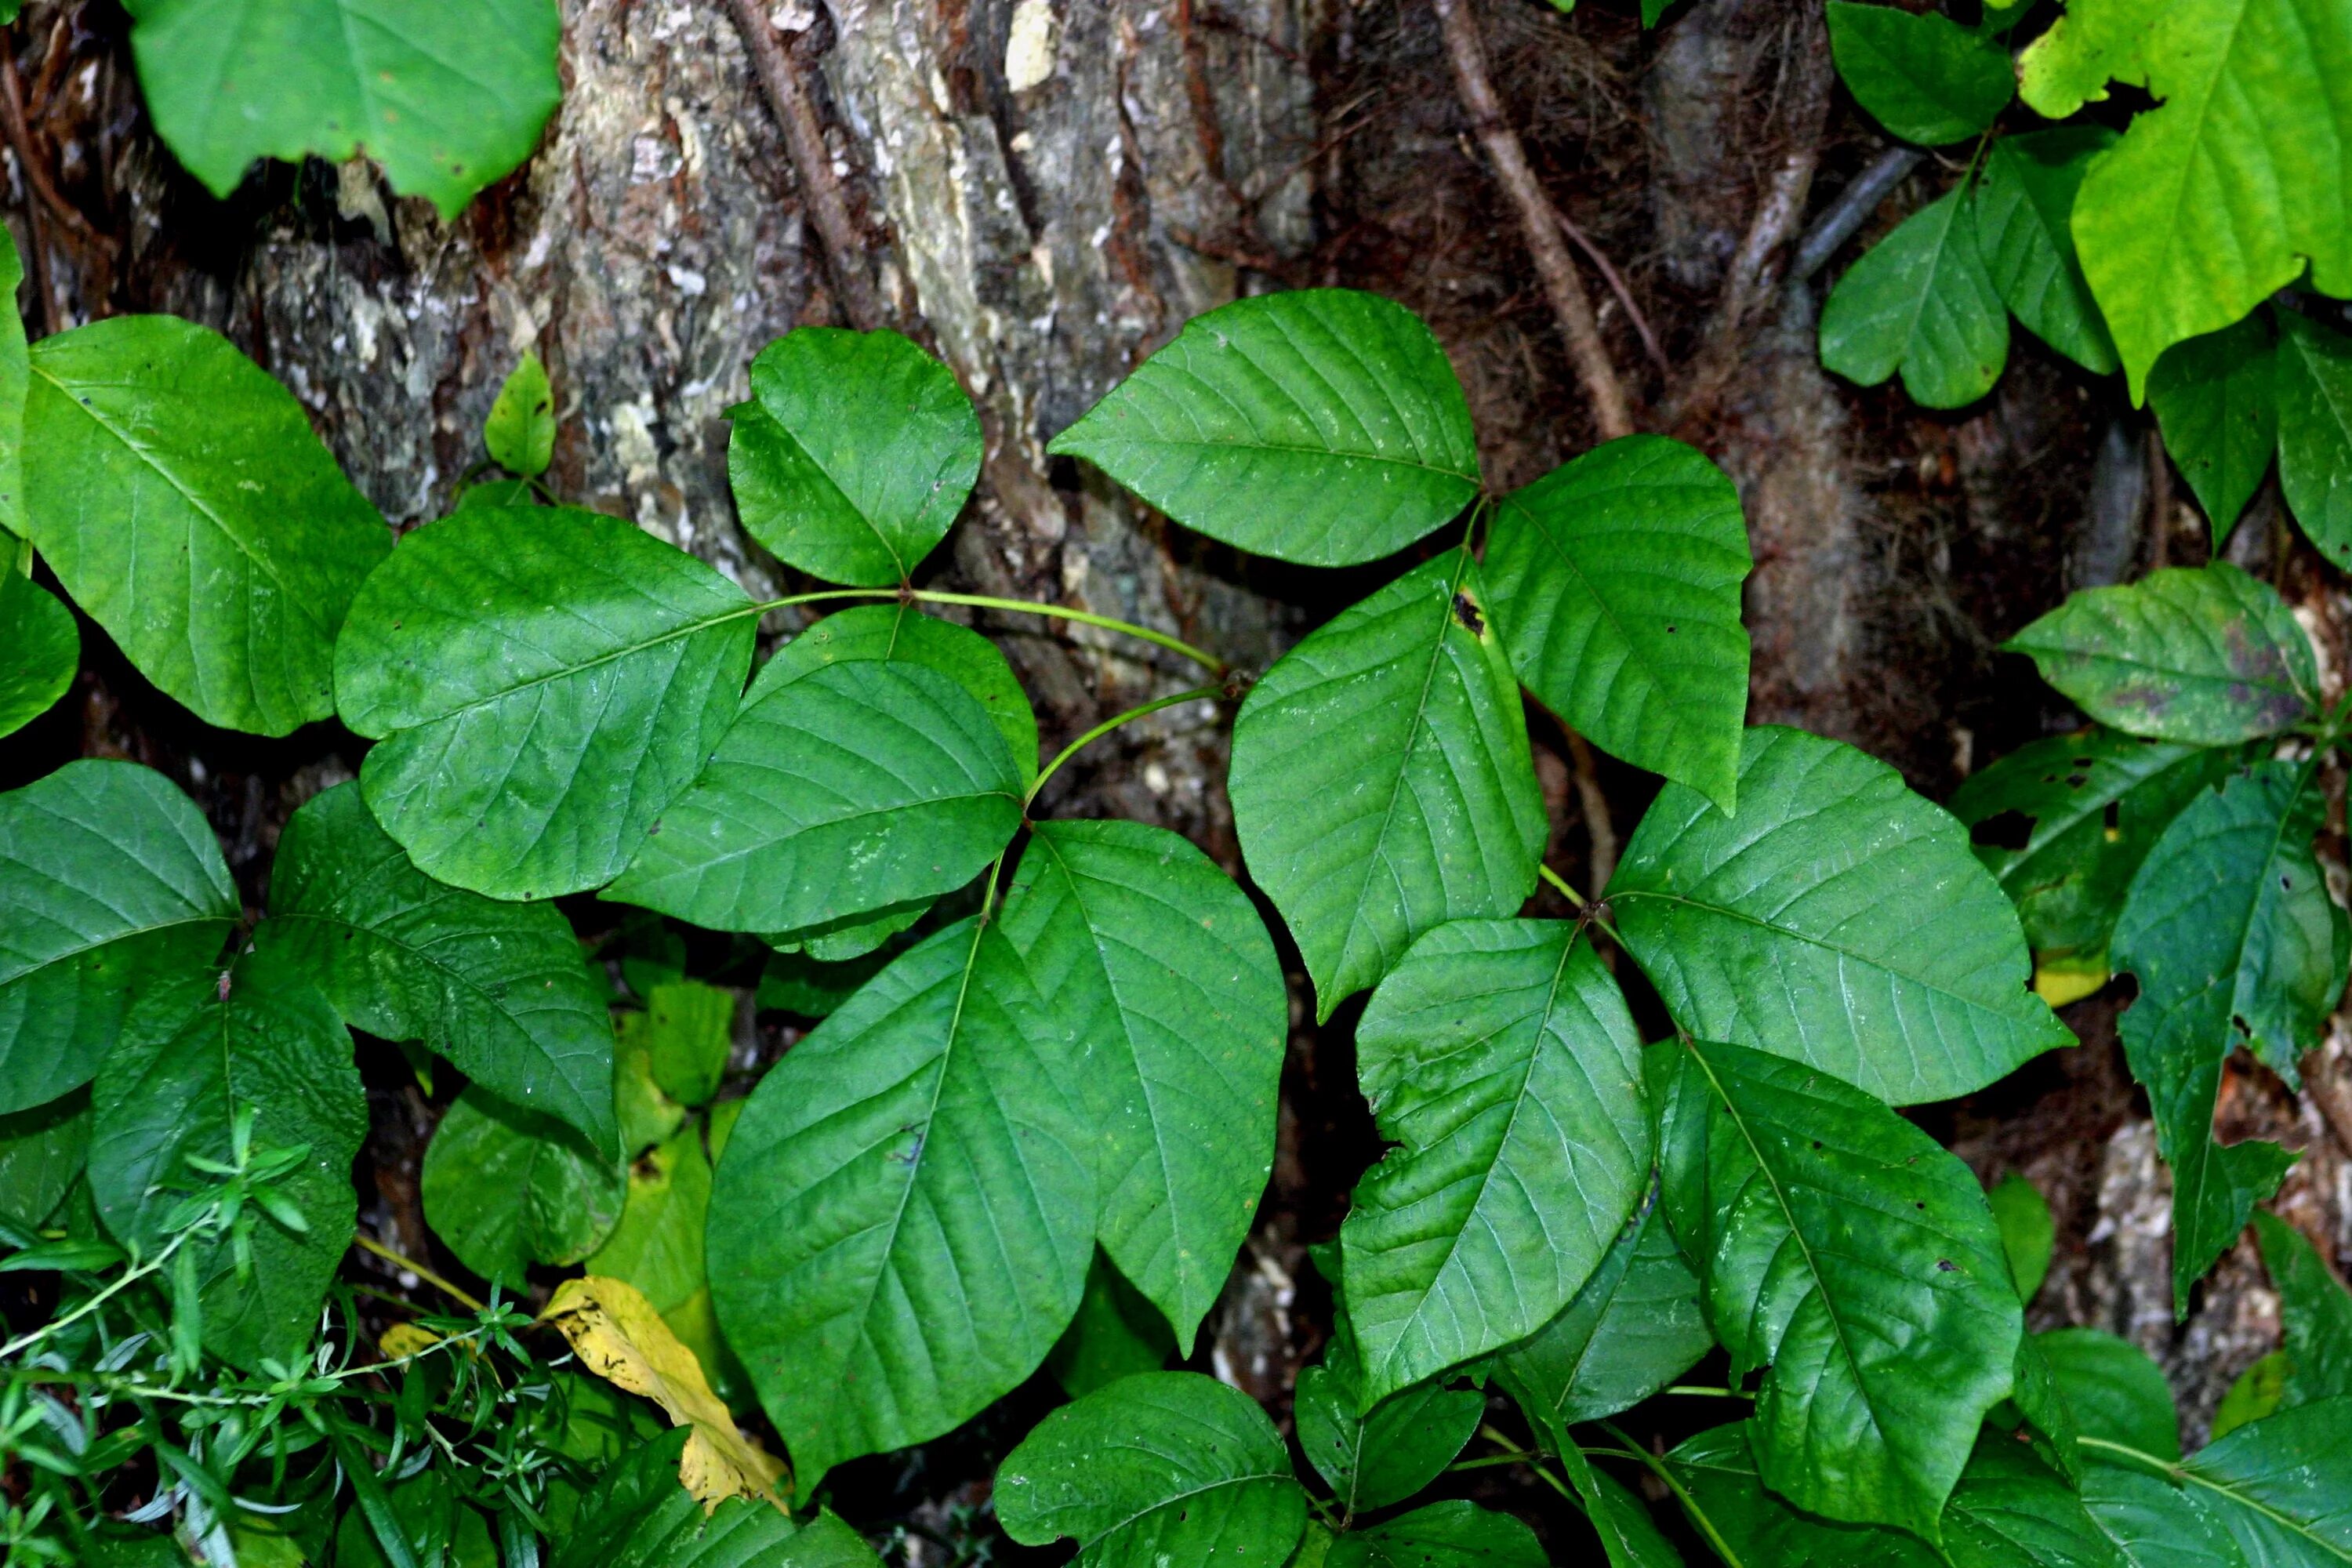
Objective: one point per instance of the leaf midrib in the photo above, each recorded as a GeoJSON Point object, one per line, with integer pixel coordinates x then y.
{"type": "Point", "coordinates": [1283, 448]}
{"type": "Point", "coordinates": [817, 464]}
{"type": "Point", "coordinates": [73, 953]}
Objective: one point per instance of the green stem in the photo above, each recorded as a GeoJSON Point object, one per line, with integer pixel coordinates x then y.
{"type": "Point", "coordinates": [131, 1276]}
{"type": "Point", "coordinates": [1016, 606]}
{"type": "Point", "coordinates": [369, 1244]}
{"type": "Point", "coordinates": [1106, 727]}
{"type": "Point", "coordinates": [1560, 886]}
{"type": "Point", "coordinates": [1706, 1391]}
{"type": "Point", "coordinates": [1657, 1467]}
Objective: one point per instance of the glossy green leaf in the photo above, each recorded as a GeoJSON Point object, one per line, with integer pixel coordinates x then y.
{"type": "Point", "coordinates": [42, 1151]}
{"type": "Point", "coordinates": [114, 901]}
{"type": "Point", "coordinates": [861, 784]}
{"type": "Point", "coordinates": [264, 1043]}
{"type": "Point", "coordinates": [1635, 1327]}
{"type": "Point", "coordinates": [521, 429]}
{"type": "Point", "coordinates": [1500, 1058]}
{"type": "Point", "coordinates": [2315, 1308]}
{"type": "Point", "coordinates": [1838, 919]}
{"type": "Point", "coordinates": [2027, 1231]}
{"type": "Point", "coordinates": [1321, 426]}
{"type": "Point", "coordinates": [2045, 1422]}
{"type": "Point", "coordinates": [2202, 654]}
{"type": "Point", "coordinates": [178, 492]}
{"type": "Point", "coordinates": [1840, 1246]}
{"type": "Point", "coordinates": [902, 1221]}
{"type": "Point", "coordinates": [1450, 1535]}
{"type": "Point", "coordinates": [1924, 77]}
{"type": "Point", "coordinates": [855, 455]}
{"type": "Point", "coordinates": [446, 101]}
{"type": "Point", "coordinates": [1615, 582]}
{"type": "Point", "coordinates": [2260, 1391]}
{"type": "Point", "coordinates": [1372, 1453]}
{"type": "Point", "coordinates": [2156, 1524]}
{"type": "Point", "coordinates": [2010, 1510]}
{"type": "Point", "coordinates": [1171, 1469]}
{"type": "Point", "coordinates": [1723, 1497]}
{"type": "Point", "coordinates": [639, 1516]}
{"type": "Point", "coordinates": [1920, 301]}
{"type": "Point", "coordinates": [1382, 782]}
{"type": "Point", "coordinates": [505, 1189]}
{"type": "Point", "coordinates": [1115, 1334]}
{"type": "Point", "coordinates": [2222, 195]}
{"type": "Point", "coordinates": [2115, 1391]}
{"type": "Point", "coordinates": [1629, 1535]}
{"type": "Point", "coordinates": [2216, 403]}
{"type": "Point", "coordinates": [2283, 1486]}
{"type": "Point", "coordinates": [544, 683]}
{"type": "Point", "coordinates": [16, 383]}
{"type": "Point", "coordinates": [687, 1029]}
{"type": "Point", "coordinates": [2097, 801]}
{"type": "Point", "coordinates": [1162, 979]}
{"type": "Point", "coordinates": [501, 989]}
{"type": "Point", "coordinates": [906, 634]}
{"type": "Point", "coordinates": [2315, 429]}
{"type": "Point", "coordinates": [40, 647]}
{"type": "Point", "coordinates": [2235, 942]}
{"type": "Point", "coordinates": [2024, 199]}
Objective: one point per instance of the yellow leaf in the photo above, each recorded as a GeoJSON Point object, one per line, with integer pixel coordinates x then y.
{"type": "Point", "coordinates": [404, 1339]}
{"type": "Point", "coordinates": [2058, 983]}
{"type": "Point", "coordinates": [617, 1335]}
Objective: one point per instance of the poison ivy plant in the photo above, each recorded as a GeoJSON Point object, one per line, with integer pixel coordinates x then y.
{"type": "Point", "coordinates": [507, 1189]}
{"type": "Point", "coordinates": [1921, 302]}
{"type": "Point", "coordinates": [1322, 426]}
{"type": "Point", "coordinates": [1374, 1453]}
{"type": "Point", "coordinates": [44, 647]}
{"type": "Point", "coordinates": [446, 101]}
{"type": "Point", "coordinates": [2115, 1391]}
{"type": "Point", "coordinates": [184, 504]}
{"type": "Point", "coordinates": [1925, 77]}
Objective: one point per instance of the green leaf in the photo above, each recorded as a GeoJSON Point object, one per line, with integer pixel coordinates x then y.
{"type": "Point", "coordinates": [1115, 1334]}
{"type": "Point", "coordinates": [16, 383]}
{"type": "Point", "coordinates": [860, 786]}
{"type": "Point", "coordinates": [267, 1045]}
{"type": "Point", "coordinates": [2283, 1486]}
{"type": "Point", "coordinates": [658, 1243]}
{"type": "Point", "coordinates": [1925, 77]}
{"type": "Point", "coordinates": [1322, 426]}
{"type": "Point", "coordinates": [1839, 919]}
{"type": "Point", "coordinates": [492, 494]}
{"type": "Point", "coordinates": [1156, 966]}
{"type": "Point", "coordinates": [544, 683]}
{"type": "Point", "coordinates": [2316, 1308]}
{"type": "Point", "coordinates": [2027, 1232]}
{"type": "Point", "coordinates": [505, 1189]}
{"type": "Point", "coordinates": [42, 1149]}
{"type": "Point", "coordinates": [1841, 1245]}
{"type": "Point", "coordinates": [2098, 801]}
{"type": "Point", "coordinates": [2046, 1421]}
{"type": "Point", "coordinates": [1635, 1327]}
{"type": "Point", "coordinates": [1615, 582]}
{"type": "Point", "coordinates": [2156, 1524]}
{"type": "Point", "coordinates": [2219, 197]}
{"type": "Point", "coordinates": [1724, 1494]}
{"type": "Point", "coordinates": [113, 900]}
{"type": "Point", "coordinates": [2314, 431]}
{"type": "Point", "coordinates": [446, 101]}
{"type": "Point", "coordinates": [1373, 1452]}
{"type": "Point", "coordinates": [1920, 301]}
{"type": "Point", "coordinates": [2010, 1510]}
{"type": "Point", "coordinates": [2216, 403]}
{"type": "Point", "coordinates": [903, 632]}
{"type": "Point", "coordinates": [902, 1222]}
{"type": "Point", "coordinates": [1499, 1056]}
{"type": "Point", "coordinates": [2115, 1391]}
{"type": "Point", "coordinates": [178, 492]}
{"type": "Point", "coordinates": [855, 455]}
{"type": "Point", "coordinates": [2202, 654]}
{"type": "Point", "coordinates": [2024, 202]}
{"type": "Point", "coordinates": [638, 1516]}
{"type": "Point", "coordinates": [40, 648]}
{"type": "Point", "coordinates": [1170, 1469]}
{"type": "Point", "coordinates": [1628, 1535]}
{"type": "Point", "coordinates": [2235, 942]}
{"type": "Point", "coordinates": [687, 1030]}
{"type": "Point", "coordinates": [796, 983]}
{"type": "Point", "coordinates": [852, 937]}
{"type": "Point", "coordinates": [501, 989]}
{"type": "Point", "coordinates": [1381, 782]}
{"type": "Point", "coordinates": [521, 430]}
{"type": "Point", "coordinates": [1452, 1534]}
{"type": "Point", "coordinates": [2071, 64]}
{"type": "Point", "coordinates": [2258, 1391]}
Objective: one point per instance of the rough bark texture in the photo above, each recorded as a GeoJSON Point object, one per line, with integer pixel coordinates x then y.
{"type": "Point", "coordinates": [1044, 191]}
